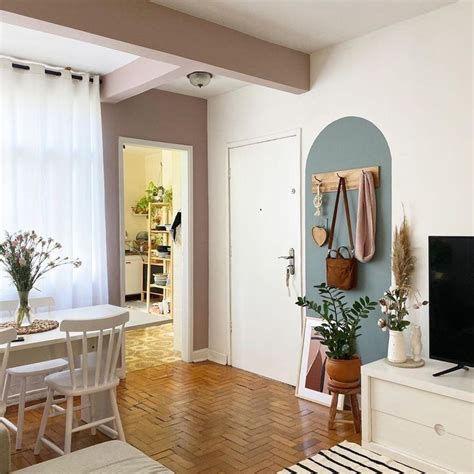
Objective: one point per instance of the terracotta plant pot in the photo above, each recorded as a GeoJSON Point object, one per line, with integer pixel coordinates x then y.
{"type": "Point", "coordinates": [345, 371]}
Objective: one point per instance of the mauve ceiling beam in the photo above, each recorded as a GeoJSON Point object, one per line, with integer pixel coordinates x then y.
{"type": "Point", "coordinates": [137, 77]}
{"type": "Point", "coordinates": [156, 32]}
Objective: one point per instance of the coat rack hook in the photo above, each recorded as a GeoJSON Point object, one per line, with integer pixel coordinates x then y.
{"type": "Point", "coordinates": [318, 180]}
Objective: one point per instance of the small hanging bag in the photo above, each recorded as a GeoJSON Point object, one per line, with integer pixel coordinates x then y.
{"type": "Point", "coordinates": [341, 270]}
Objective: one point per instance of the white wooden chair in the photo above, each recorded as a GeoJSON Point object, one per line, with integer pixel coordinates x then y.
{"type": "Point", "coordinates": [35, 303]}
{"type": "Point", "coordinates": [25, 373]}
{"type": "Point", "coordinates": [6, 337]}
{"type": "Point", "coordinates": [91, 378]}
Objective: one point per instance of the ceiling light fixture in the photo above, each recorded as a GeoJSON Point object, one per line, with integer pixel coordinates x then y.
{"type": "Point", "coordinates": [199, 78]}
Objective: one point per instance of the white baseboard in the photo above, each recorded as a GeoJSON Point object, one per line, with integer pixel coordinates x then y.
{"type": "Point", "coordinates": [217, 357]}
{"type": "Point", "coordinates": [206, 354]}
{"type": "Point", "coordinates": [200, 355]}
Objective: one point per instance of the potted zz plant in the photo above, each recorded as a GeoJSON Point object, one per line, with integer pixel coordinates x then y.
{"type": "Point", "coordinates": [340, 330]}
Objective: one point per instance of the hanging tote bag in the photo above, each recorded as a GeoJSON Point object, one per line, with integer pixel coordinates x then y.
{"type": "Point", "coordinates": [341, 266]}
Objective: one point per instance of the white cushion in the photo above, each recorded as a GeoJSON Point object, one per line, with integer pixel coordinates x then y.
{"type": "Point", "coordinates": [112, 457]}
{"type": "Point", "coordinates": [40, 368]}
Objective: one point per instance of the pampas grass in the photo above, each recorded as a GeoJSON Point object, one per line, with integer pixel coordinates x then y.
{"type": "Point", "coordinates": [403, 262]}
{"type": "Point", "coordinates": [394, 301]}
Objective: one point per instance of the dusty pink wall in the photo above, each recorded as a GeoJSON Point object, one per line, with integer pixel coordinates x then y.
{"type": "Point", "coordinates": [172, 118]}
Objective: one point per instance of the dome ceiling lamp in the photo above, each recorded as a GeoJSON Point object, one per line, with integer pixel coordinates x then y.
{"type": "Point", "coordinates": [199, 78]}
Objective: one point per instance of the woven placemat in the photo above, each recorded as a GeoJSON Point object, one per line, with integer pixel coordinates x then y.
{"type": "Point", "coordinates": [38, 325]}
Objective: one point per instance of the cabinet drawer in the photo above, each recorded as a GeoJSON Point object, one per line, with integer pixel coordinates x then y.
{"type": "Point", "coordinates": [422, 442]}
{"type": "Point", "coordinates": [426, 408]}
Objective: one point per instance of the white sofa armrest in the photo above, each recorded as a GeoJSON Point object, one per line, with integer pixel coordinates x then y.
{"type": "Point", "coordinates": [4, 450]}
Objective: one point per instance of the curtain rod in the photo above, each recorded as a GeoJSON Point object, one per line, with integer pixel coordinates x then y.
{"type": "Point", "coordinates": [52, 72]}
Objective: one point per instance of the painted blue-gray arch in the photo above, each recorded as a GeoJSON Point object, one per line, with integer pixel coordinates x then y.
{"type": "Point", "coordinates": [352, 142]}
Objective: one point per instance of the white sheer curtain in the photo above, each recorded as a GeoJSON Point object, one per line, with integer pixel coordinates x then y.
{"type": "Point", "coordinates": [52, 176]}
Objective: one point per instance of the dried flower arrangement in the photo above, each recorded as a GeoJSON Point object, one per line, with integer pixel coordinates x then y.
{"type": "Point", "coordinates": [394, 302]}
{"type": "Point", "coordinates": [27, 257]}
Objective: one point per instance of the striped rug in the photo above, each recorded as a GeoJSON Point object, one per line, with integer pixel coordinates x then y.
{"type": "Point", "coordinates": [348, 457]}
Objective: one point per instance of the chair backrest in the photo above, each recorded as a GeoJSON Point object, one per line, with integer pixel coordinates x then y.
{"type": "Point", "coordinates": [9, 306]}
{"type": "Point", "coordinates": [6, 337]}
{"type": "Point", "coordinates": [42, 302]}
{"type": "Point", "coordinates": [109, 331]}
{"type": "Point", "coordinates": [35, 303]}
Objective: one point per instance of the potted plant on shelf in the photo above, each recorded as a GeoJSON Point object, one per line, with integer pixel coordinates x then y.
{"type": "Point", "coordinates": [153, 193]}
{"type": "Point", "coordinates": [27, 257]}
{"type": "Point", "coordinates": [394, 303]}
{"type": "Point", "coordinates": [340, 330]}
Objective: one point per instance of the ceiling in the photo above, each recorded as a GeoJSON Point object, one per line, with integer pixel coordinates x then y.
{"type": "Point", "coordinates": [45, 48]}
{"type": "Point", "coordinates": [304, 25]}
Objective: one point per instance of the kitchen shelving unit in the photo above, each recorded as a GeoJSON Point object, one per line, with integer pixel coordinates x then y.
{"type": "Point", "coordinates": [166, 263]}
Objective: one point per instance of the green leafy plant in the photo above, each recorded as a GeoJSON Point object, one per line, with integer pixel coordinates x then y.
{"type": "Point", "coordinates": [168, 197]}
{"type": "Point", "coordinates": [141, 207]}
{"type": "Point", "coordinates": [341, 323]}
{"type": "Point", "coordinates": [152, 193]}
{"type": "Point", "coordinates": [158, 240]}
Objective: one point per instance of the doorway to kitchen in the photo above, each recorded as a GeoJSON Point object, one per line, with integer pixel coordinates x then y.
{"type": "Point", "coordinates": [156, 246]}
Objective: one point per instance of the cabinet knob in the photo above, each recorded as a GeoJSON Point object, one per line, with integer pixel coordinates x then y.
{"type": "Point", "coordinates": [439, 429]}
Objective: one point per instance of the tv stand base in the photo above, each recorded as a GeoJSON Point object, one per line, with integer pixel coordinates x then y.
{"type": "Point", "coordinates": [452, 369]}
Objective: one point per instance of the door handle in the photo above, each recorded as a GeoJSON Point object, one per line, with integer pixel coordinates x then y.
{"type": "Point", "coordinates": [291, 261]}
{"type": "Point", "coordinates": [290, 268]}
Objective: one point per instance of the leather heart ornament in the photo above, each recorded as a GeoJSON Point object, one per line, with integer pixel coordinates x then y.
{"type": "Point", "coordinates": [320, 235]}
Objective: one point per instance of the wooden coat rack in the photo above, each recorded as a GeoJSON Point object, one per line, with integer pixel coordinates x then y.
{"type": "Point", "coordinates": [329, 181]}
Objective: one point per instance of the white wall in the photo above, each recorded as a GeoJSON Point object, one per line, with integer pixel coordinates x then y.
{"type": "Point", "coordinates": [172, 177]}
{"type": "Point", "coordinates": [141, 165]}
{"type": "Point", "coordinates": [413, 80]}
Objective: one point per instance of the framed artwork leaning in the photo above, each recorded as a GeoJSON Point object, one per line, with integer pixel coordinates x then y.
{"type": "Point", "coordinates": [312, 382]}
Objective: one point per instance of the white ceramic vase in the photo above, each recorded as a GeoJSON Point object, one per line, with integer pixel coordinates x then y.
{"type": "Point", "coordinates": [416, 342]}
{"type": "Point", "coordinates": [396, 347]}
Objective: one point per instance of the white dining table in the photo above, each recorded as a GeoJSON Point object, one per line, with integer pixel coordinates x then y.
{"type": "Point", "coordinates": [50, 345]}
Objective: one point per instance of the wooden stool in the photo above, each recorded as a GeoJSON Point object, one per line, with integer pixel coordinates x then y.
{"type": "Point", "coordinates": [351, 389]}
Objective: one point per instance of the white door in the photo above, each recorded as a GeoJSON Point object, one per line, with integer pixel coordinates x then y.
{"type": "Point", "coordinates": [264, 225]}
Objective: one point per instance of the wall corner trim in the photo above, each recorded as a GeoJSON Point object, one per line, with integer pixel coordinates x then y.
{"type": "Point", "coordinates": [200, 355]}
{"type": "Point", "coordinates": [206, 354]}
{"type": "Point", "coordinates": [217, 357]}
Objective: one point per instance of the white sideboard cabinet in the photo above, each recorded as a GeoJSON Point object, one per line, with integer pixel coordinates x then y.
{"type": "Point", "coordinates": [424, 421]}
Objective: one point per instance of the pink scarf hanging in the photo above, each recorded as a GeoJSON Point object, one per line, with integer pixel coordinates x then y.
{"type": "Point", "coordinates": [366, 212]}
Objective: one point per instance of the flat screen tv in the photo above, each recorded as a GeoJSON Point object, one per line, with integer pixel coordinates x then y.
{"type": "Point", "coordinates": [451, 308]}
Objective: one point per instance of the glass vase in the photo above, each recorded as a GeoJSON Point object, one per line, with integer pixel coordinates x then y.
{"type": "Point", "coordinates": [23, 314]}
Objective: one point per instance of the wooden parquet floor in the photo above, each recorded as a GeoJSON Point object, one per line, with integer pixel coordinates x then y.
{"type": "Point", "coordinates": [206, 418]}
